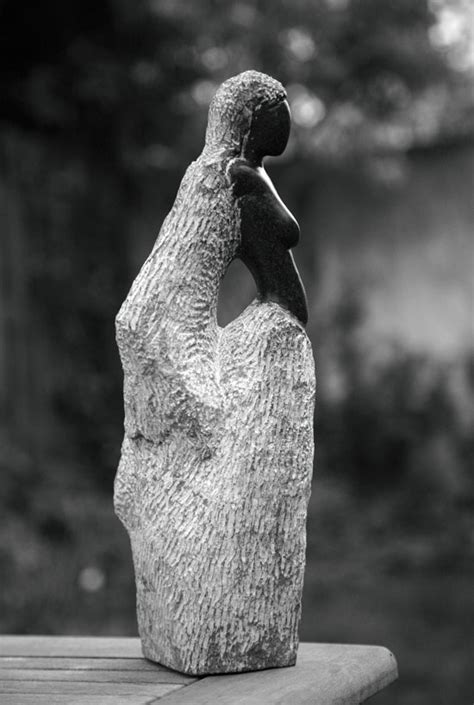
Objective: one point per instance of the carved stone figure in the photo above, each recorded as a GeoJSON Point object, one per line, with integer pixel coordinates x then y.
{"type": "Point", "coordinates": [216, 464]}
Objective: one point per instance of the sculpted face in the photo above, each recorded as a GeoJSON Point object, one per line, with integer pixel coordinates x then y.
{"type": "Point", "coordinates": [269, 132]}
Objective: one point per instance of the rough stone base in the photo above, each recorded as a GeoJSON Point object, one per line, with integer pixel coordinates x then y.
{"type": "Point", "coordinates": [217, 523]}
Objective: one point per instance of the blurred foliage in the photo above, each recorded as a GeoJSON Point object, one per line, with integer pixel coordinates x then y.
{"type": "Point", "coordinates": [399, 424]}
{"type": "Point", "coordinates": [103, 106]}
{"type": "Point", "coordinates": [118, 78]}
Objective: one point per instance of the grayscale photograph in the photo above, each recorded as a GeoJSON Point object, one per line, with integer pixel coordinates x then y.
{"type": "Point", "coordinates": [237, 352]}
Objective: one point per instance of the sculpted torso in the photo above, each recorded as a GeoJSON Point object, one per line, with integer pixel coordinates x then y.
{"type": "Point", "coordinates": [216, 461]}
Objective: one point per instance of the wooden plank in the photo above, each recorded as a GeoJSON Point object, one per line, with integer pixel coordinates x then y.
{"type": "Point", "coordinates": [152, 690]}
{"type": "Point", "coordinates": [59, 663]}
{"type": "Point", "coordinates": [56, 699]}
{"type": "Point", "coordinates": [325, 674]}
{"type": "Point", "coordinates": [75, 646]}
{"type": "Point", "coordinates": [92, 676]}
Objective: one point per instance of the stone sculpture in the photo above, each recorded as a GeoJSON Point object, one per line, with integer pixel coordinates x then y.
{"type": "Point", "coordinates": [216, 464]}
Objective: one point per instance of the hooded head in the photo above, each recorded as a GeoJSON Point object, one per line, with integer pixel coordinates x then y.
{"type": "Point", "coordinates": [249, 113]}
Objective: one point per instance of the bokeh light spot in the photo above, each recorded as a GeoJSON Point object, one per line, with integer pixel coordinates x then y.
{"type": "Point", "coordinates": [91, 579]}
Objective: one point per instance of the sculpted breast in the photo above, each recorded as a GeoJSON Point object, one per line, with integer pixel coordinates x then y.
{"type": "Point", "coordinates": [263, 213]}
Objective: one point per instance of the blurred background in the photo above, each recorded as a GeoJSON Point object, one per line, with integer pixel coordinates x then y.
{"type": "Point", "coordinates": [103, 106]}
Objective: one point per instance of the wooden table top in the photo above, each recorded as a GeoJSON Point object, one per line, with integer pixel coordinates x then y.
{"type": "Point", "coordinates": [49, 670]}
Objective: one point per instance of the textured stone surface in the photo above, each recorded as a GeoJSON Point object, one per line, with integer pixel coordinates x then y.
{"type": "Point", "coordinates": [216, 464]}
